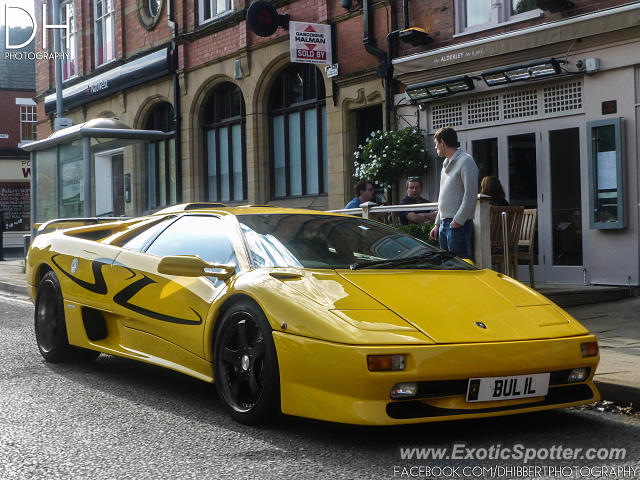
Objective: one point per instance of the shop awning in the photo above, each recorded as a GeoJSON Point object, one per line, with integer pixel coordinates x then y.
{"type": "Point", "coordinates": [541, 40]}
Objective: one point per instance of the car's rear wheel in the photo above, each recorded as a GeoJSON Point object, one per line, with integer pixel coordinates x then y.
{"type": "Point", "coordinates": [246, 365]}
{"type": "Point", "coordinates": [50, 326]}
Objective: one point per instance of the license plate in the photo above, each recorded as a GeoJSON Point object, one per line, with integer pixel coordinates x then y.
{"type": "Point", "coordinates": [507, 388]}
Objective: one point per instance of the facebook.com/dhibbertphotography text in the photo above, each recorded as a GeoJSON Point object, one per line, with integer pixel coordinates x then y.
{"type": "Point", "coordinates": [461, 460]}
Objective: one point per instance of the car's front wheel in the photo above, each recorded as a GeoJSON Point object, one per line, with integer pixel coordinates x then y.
{"type": "Point", "coordinates": [246, 365]}
{"type": "Point", "coordinates": [50, 326]}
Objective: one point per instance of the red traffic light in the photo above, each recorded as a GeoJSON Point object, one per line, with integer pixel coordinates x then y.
{"type": "Point", "coordinates": [263, 19]}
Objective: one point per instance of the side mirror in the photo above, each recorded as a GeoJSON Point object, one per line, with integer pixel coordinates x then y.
{"type": "Point", "coordinates": [469, 261]}
{"type": "Point", "coordinates": [193, 266]}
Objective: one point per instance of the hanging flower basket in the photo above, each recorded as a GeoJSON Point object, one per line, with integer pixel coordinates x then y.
{"type": "Point", "coordinates": [386, 157]}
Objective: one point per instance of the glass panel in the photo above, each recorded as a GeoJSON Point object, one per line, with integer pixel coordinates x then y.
{"type": "Point", "coordinates": [296, 86]}
{"type": "Point", "coordinates": [311, 150]}
{"type": "Point", "coordinates": [222, 5]}
{"type": "Point", "coordinates": [223, 138]}
{"type": "Point", "coordinates": [606, 209]}
{"type": "Point", "coordinates": [485, 153]}
{"type": "Point", "coordinates": [198, 235]}
{"type": "Point", "coordinates": [151, 179]}
{"type": "Point", "coordinates": [278, 157]}
{"type": "Point", "coordinates": [148, 232]}
{"type": "Point", "coordinates": [521, 6]}
{"type": "Point", "coordinates": [162, 174]}
{"type": "Point", "coordinates": [47, 185]}
{"type": "Point", "coordinates": [99, 43]}
{"type": "Point", "coordinates": [108, 44]}
{"type": "Point", "coordinates": [172, 171]}
{"type": "Point", "coordinates": [566, 209]}
{"type": "Point", "coordinates": [207, 9]}
{"type": "Point", "coordinates": [236, 138]}
{"type": "Point", "coordinates": [295, 155]}
{"type": "Point", "coordinates": [323, 241]}
{"type": "Point", "coordinates": [71, 180]}
{"type": "Point", "coordinates": [212, 179]}
{"type": "Point", "coordinates": [523, 189]}
{"type": "Point", "coordinates": [477, 12]}
{"type": "Point", "coordinates": [325, 162]}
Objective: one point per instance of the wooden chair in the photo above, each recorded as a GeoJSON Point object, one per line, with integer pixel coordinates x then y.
{"type": "Point", "coordinates": [514, 225]}
{"type": "Point", "coordinates": [527, 241]}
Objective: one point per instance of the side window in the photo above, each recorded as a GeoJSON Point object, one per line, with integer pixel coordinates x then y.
{"type": "Point", "coordinates": [138, 241]}
{"type": "Point", "coordinates": [204, 236]}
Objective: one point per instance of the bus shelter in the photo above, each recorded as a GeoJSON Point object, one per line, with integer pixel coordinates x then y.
{"type": "Point", "coordinates": [64, 180]}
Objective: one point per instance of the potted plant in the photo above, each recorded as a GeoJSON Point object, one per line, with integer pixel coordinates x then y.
{"type": "Point", "coordinates": [387, 157]}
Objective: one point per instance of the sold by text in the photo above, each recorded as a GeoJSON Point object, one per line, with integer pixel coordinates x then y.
{"type": "Point", "coordinates": [462, 451]}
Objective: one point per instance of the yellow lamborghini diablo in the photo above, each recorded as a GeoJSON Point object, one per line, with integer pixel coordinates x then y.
{"type": "Point", "coordinates": [306, 313]}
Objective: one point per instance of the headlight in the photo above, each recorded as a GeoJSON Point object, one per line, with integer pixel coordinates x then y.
{"type": "Point", "coordinates": [578, 374]}
{"type": "Point", "coordinates": [404, 390]}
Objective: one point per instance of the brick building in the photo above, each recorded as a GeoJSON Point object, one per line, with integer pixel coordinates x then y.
{"type": "Point", "coordinates": [530, 85]}
{"type": "Point", "coordinates": [17, 126]}
{"type": "Point", "coordinates": [246, 123]}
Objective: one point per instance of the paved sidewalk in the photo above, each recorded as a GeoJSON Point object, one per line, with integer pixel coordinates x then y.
{"type": "Point", "coordinates": [616, 324]}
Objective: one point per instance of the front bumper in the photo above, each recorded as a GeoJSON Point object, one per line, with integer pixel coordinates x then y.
{"type": "Point", "coordinates": [329, 381]}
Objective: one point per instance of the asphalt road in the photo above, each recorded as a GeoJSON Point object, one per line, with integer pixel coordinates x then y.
{"type": "Point", "coordinates": [119, 419]}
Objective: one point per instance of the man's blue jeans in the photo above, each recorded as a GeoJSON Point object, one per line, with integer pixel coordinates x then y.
{"type": "Point", "coordinates": [456, 240]}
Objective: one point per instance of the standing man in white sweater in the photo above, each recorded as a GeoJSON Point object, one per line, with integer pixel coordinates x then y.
{"type": "Point", "coordinates": [458, 192]}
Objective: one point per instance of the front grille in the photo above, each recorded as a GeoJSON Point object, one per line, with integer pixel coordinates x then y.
{"type": "Point", "coordinates": [447, 388]}
{"type": "Point", "coordinates": [556, 396]}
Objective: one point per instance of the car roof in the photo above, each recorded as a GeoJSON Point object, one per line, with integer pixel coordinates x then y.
{"type": "Point", "coordinates": [219, 208]}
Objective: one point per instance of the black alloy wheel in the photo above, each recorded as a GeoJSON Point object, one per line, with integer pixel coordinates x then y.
{"type": "Point", "coordinates": [50, 326]}
{"type": "Point", "coordinates": [245, 364]}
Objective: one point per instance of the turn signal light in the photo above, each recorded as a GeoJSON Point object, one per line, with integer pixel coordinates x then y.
{"type": "Point", "coordinates": [589, 349]}
{"type": "Point", "coordinates": [385, 363]}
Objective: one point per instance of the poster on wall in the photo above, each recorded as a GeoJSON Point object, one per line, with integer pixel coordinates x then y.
{"type": "Point", "coordinates": [310, 43]}
{"type": "Point", "coordinates": [15, 205]}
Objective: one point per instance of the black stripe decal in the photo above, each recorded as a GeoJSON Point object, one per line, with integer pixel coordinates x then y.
{"type": "Point", "coordinates": [99, 286]}
{"type": "Point", "coordinates": [123, 296]}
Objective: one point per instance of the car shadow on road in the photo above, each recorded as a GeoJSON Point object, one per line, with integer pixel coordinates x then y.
{"type": "Point", "coordinates": [197, 401]}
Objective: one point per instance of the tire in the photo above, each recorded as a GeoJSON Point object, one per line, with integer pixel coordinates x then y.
{"type": "Point", "coordinates": [246, 366]}
{"type": "Point", "coordinates": [50, 325]}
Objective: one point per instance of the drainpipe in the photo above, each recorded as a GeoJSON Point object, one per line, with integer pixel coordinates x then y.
{"type": "Point", "coordinates": [177, 118]}
{"type": "Point", "coordinates": [384, 69]}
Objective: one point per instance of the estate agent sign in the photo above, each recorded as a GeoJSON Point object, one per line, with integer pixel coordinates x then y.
{"type": "Point", "coordinates": [310, 42]}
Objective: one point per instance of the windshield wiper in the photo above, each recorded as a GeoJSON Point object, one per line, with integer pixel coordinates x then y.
{"type": "Point", "coordinates": [391, 262]}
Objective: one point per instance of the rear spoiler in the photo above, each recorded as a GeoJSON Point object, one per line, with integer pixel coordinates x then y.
{"type": "Point", "coordinates": [65, 223]}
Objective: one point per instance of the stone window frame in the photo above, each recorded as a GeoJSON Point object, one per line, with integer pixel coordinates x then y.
{"type": "Point", "coordinates": [226, 10]}
{"type": "Point", "coordinates": [146, 18]}
{"type": "Point", "coordinates": [70, 63]}
{"type": "Point", "coordinates": [500, 15]}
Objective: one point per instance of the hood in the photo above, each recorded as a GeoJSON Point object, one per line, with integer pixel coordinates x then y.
{"type": "Point", "coordinates": [465, 306]}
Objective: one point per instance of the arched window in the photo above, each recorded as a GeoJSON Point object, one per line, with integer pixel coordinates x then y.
{"type": "Point", "coordinates": [223, 122]}
{"type": "Point", "coordinates": [162, 168]}
{"type": "Point", "coordinates": [297, 115]}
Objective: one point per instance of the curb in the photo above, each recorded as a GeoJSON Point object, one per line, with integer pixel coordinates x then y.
{"type": "Point", "coordinates": [14, 289]}
{"type": "Point", "coordinates": [618, 393]}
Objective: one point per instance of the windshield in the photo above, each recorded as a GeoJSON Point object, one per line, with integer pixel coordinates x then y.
{"type": "Point", "coordinates": [328, 241]}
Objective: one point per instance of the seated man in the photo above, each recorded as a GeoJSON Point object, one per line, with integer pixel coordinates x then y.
{"type": "Point", "coordinates": [364, 193]}
{"type": "Point", "coordinates": [414, 189]}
